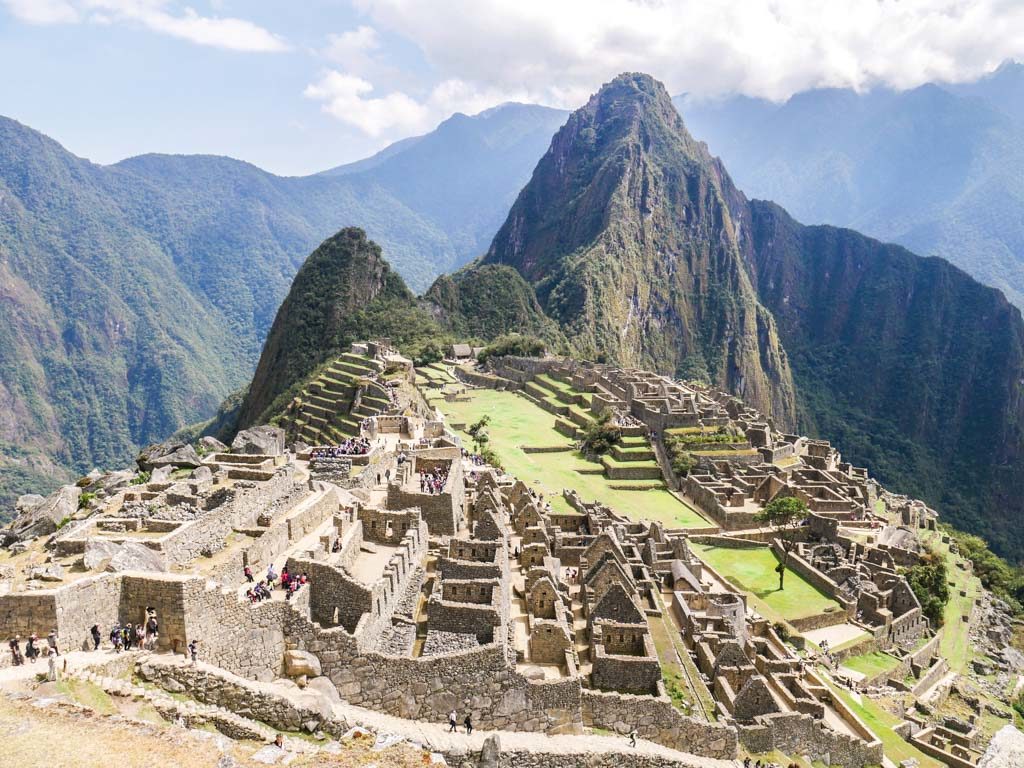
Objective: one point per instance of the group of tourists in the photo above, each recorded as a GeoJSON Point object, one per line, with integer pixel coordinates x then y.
{"type": "Point", "coordinates": [32, 648]}
{"type": "Point", "coordinates": [138, 636]}
{"type": "Point", "coordinates": [758, 764]}
{"type": "Point", "coordinates": [287, 581]}
{"type": "Point", "coordinates": [433, 481]}
{"type": "Point", "coordinates": [353, 446]}
{"type": "Point", "coordinates": [453, 723]}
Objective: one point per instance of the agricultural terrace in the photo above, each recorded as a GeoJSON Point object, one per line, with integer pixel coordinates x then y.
{"type": "Point", "coordinates": [955, 644]}
{"type": "Point", "coordinates": [753, 571]}
{"type": "Point", "coordinates": [517, 422]}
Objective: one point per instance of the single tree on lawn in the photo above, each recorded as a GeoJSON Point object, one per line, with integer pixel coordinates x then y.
{"type": "Point", "coordinates": [785, 516]}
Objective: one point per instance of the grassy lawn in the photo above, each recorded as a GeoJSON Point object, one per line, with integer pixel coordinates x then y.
{"type": "Point", "coordinates": [881, 723]}
{"type": "Point", "coordinates": [955, 644]}
{"type": "Point", "coordinates": [515, 421]}
{"type": "Point", "coordinates": [871, 664]}
{"type": "Point", "coordinates": [753, 571]}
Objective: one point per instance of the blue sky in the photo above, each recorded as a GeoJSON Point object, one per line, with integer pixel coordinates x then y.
{"type": "Point", "coordinates": [297, 86]}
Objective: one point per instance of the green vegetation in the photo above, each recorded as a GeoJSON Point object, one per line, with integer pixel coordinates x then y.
{"type": "Point", "coordinates": [871, 664]}
{"type": "Point", "coordinates": [881, 724]}
{"type": "Point", "coordinates": [600, 435]}
{"type": "Point", "coordinates": [755, 571]}
{"type": "Point", "coordinates": [513, 344]}
{"type": "Point", "coordinates": [516, 422]}
{"type": "Point", "coordinates": [997, 575]}
{"type": "Point", "coordinates": [785, 515]}
{"type": "Point", "coordinates": [929, 581]}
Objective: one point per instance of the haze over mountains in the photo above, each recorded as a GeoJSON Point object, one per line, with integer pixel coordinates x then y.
{"type": "Point", "coordinates": [939, 169]}
{"type": "Point", "coordinates": [138, 295]}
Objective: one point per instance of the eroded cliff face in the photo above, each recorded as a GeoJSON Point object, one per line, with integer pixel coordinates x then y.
{"type": "Point", "coordinates": [625, 234]}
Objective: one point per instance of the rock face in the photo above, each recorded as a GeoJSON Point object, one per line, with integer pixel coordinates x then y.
{"type": "Point", "coordinates": [1006, 750]}
{"type": "Point", "coordinates": [265, 440]}
{"type": "Point", "coordinates": [37, 516]}
{"type": "Point", "coordinates": [51, 572]}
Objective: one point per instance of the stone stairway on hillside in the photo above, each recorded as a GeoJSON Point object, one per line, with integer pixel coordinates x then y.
{"type": "Point", "coordinates": [332, 406]}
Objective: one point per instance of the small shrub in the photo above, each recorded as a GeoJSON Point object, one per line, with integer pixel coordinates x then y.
{"type": "Point", "coordinates": [141, 479]}
{"type": "Point", "coordinates": [85, 498]}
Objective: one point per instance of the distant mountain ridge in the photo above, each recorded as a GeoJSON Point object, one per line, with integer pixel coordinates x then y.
{"type": "Point", "coordinates": [938, 168]}
{"type": "Point", "coordinates": [138, 295]}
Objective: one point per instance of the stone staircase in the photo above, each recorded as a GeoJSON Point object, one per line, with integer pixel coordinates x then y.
{"type": "Point", "coordinates": [332, 406]}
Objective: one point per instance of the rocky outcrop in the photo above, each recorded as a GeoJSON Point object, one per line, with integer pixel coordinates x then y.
{"type": "Point", "coordinates": [38, 516]}
{"type": "Point", "coordinates": [264, 440]}
{"type": "Point", "coordinates": [117, 557]}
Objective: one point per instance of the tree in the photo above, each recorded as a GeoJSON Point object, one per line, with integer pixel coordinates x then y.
{"type": "Point", "coordinates": [930, 584]}
{"type": "Point", "coordinates": [478, 431]}
{"type": "Point", "coordinates": [601, 435]}
{"type": "Point", "coordinates": [785, 515]}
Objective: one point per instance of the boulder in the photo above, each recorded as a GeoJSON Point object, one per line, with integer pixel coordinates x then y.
{"type": "Point", "coordinates": [491, 752]}
{"type": "Point", "coordinates": [325, 687]}
{"type": "Point", "coordinates": [185, 456]}
{"type": "Point", "coordinates": [265, 440]}
{"type": "Point", "coordinates": [150, 453]}
{"type": "Point", "coordinates": [50, 572]}
{"type": "Point", "coordinates": [202, 475]}
{"type": "Point", "coordinates": [161, 474]}
{"type": "Point", "coordinates": [298, 663]}
{"type": "Point", "coordinates": [90, 479]}
{"type": "Point", "coordinates": [37, 516]}
{"type": "Point", "coordinates": [98, 552]}
{"type": "Point", "coordinates": [132, 556]}
{"type": "Point", "coordinates": [212, 445]}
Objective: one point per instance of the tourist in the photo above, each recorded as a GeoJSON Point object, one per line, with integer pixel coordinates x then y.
{"type": "Point", "coordinates": [152, 630]}
{"type": "Point", "coordinates": [468, 722]}
{"type": "Point", "coordinates": [286, 578]}
{"type": "Point", "coordinates": [279, 742]}
{"type": "Point", "coordinates": [193, 651]}
{"type": "Point", "coordinates": [51, 666]}
{"type": "Point", "coordinates": [115, 638]}
{"type": "Point", "coordinates": [31, 652]}
{"type": "Point", "coordinates": [15, 645]}
{"type": "Point", "coordinates": [452, 722]}
{"type": "Point", "coordinates": [248, 574]}
{"type": "Point", "coordinates": [271, 576]}
{"type": "Point", "coordinates": [140, 636]}
{"type": "Point", "coordinates": [632, 738]}
{"type": "Point", "coordinates": [746, 762]}
{"type": "Point", "coordinates": [95, 632]}
{"type": "Point", "coordinates": [51, 641]}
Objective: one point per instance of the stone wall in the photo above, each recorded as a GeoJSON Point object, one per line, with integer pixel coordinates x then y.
{"type": "Point", "coordinates": [23, 613]}
{"type": "Point", "coordinates": [165, 594]}
{"type": "Point", "coordinates": [658, 720]}
{"type": "Point", "coordinates": [794, 733]}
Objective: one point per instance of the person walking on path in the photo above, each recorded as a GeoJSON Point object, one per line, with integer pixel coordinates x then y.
{"type": "Point", "coordinates": [51, 640]}
{"type": "Point", "coordinates": [30, 648]}
{"type": "Point", "coordinates": [152, 631]}
{"type": "Point", "coordinates": [632, 738]}
{"type": "Point", "coordinates": [248, 574]}
{"type": "Point", "coordinates": [468, 722]}
{"type": "Point", "coordinates": [452, 722]}
{"type": "Point", "coordinates": [95, 632]}
{"type": "Point", "coordinates": [193, 651]}
{"type": "Point", "coordinates": [115, 638]}
{"type": "Point", "coordinates": [15, 645]}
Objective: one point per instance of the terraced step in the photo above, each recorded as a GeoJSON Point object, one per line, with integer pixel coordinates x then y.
{"type": "Point", "coordinates": [625, 454]}
{"type": "Point", "coordinates": [630, 470]}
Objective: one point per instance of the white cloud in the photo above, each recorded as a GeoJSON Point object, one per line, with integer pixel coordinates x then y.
{"type": "Point", "coordinates": [157, 15]}
{"type": "Point", "coordinates": [352, 46]}
{"type": "Point", "coordinates": [42, 11]}
{"type": "Point", "coordinates": [560, 52]}
{"type": "Point", "coordinates": [351, 99]}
